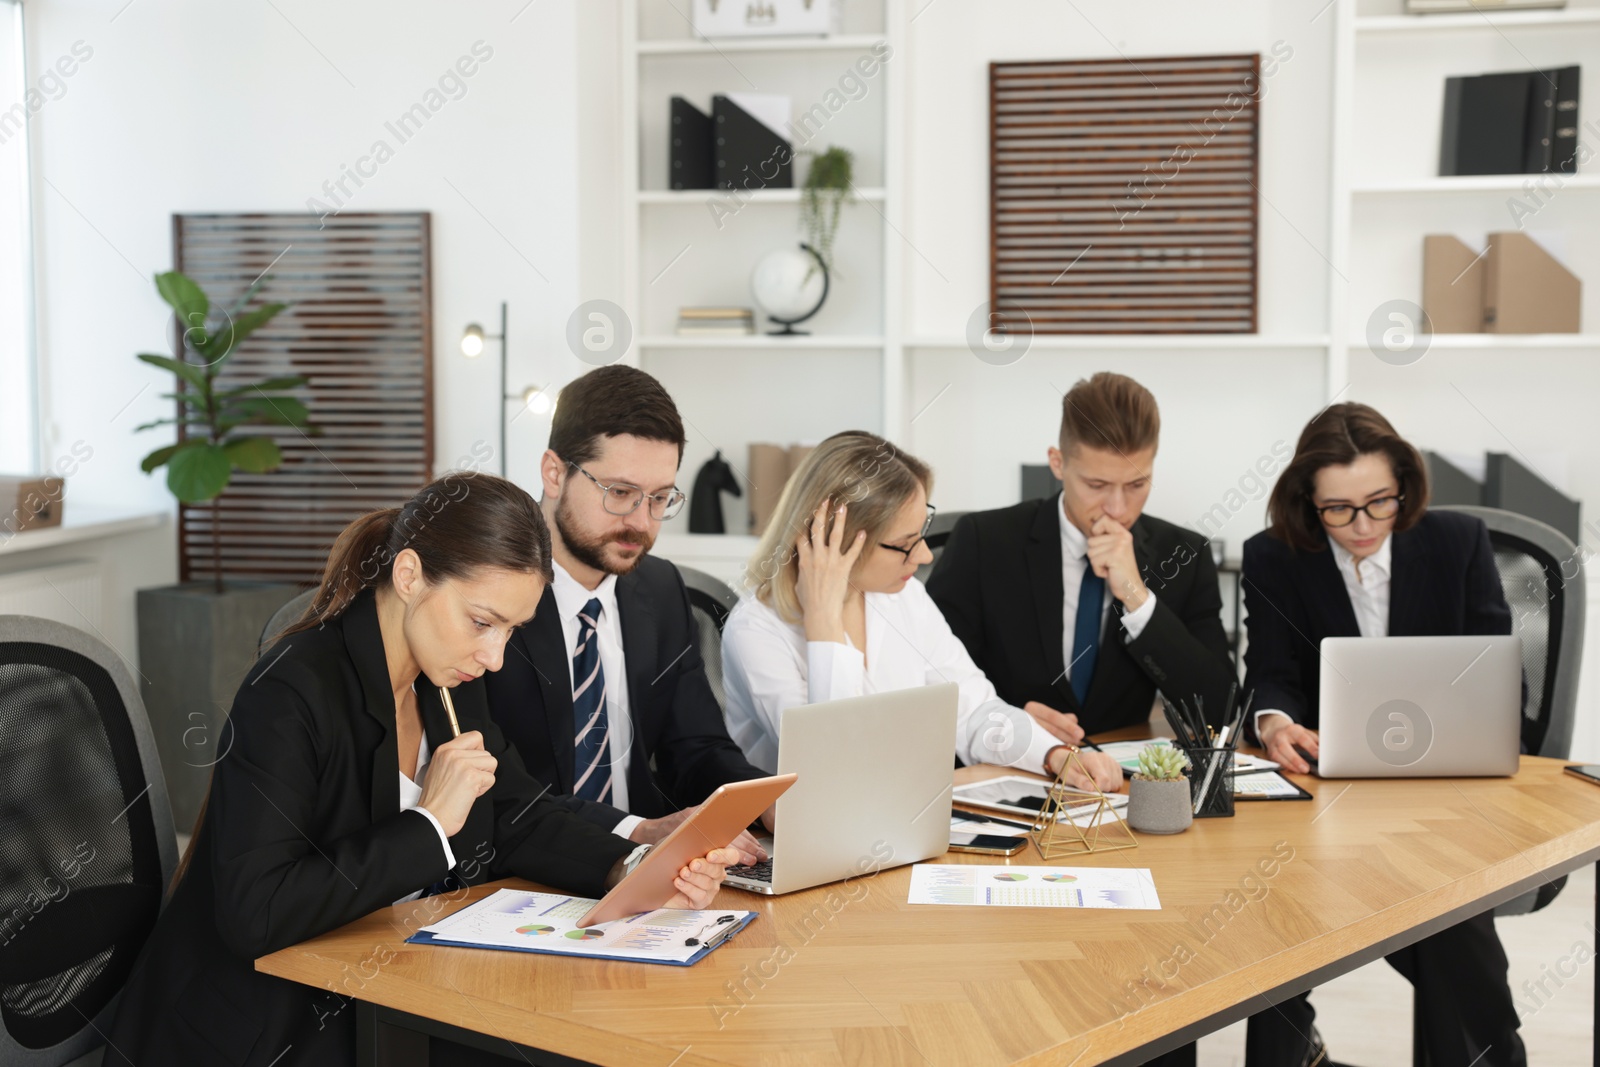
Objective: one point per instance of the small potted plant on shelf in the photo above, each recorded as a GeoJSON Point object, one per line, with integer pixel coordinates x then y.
{"type": "Point", "coordinates": [827, 188]}
{"type": "Point", "coordinates": [1158, 795]}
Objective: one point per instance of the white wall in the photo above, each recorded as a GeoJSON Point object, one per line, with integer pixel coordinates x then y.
{"type": "Point", "coordinates": [189, 106]}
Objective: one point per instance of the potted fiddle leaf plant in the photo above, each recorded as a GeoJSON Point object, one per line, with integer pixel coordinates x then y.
{"type": "Point", "coordinates": [197, 640]}
{"type": "Point", "coordinates": [1158, 794]}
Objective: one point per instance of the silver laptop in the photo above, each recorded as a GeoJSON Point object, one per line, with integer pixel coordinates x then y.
{"type": "Point", "coordinates": [874, 789]}
{"type": "Point", "coordinates": [1420, 707]}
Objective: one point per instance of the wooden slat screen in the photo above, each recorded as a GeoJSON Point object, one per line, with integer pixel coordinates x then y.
{"type": "Point", "coordinates": [1122, 195]}
{"type": "Point", "coordinates": [360, 329]}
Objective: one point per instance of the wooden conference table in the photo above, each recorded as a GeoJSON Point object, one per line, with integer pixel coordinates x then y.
{"type": "Point", "coordinates": [1272, 902]}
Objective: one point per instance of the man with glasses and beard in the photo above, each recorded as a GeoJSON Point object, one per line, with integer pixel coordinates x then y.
{"type": "Point", "coordinates": [607, 679]}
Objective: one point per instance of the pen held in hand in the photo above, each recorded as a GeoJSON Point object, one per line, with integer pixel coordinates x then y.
{"type": "Point", "coordinates": [450, 710]}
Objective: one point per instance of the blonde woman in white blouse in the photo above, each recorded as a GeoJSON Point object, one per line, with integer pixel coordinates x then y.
{"type": "Point", "coordinates": [835, 610]}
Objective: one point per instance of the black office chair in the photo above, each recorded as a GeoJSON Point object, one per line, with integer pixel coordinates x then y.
{"type": "Point", "coordinates": [283, 618]}
{"type": "Point", "coordinates": [1544, 586]}
{"type": "Point", "coordinates": [1547, 611]}
{"type": "Point", "coordinates": [86, 840]}
{"type": "Point", "coordinates": [710, 599]}
{"type": "Point", "coordinates": [938, 534]}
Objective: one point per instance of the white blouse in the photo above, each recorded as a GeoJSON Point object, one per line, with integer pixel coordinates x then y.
{"type": "Point", "coordinates": [411, 799]}
{"type": "Point", "coordinates": [768, 667]}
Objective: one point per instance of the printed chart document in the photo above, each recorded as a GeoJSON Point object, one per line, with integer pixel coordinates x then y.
{"type": "Point", "coordinates": [1129, 888]}
{"type": "Point", "coordinates": [526, 921]}
{"type": "Point", "coordinates": [1268, 786]}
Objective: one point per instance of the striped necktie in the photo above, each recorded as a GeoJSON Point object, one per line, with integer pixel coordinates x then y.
{"type": "Point", "coordinates": [591, 763]}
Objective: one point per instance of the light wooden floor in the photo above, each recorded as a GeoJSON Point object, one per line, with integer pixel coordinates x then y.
{"type": "Point", "coordinates": [1365, 1017]}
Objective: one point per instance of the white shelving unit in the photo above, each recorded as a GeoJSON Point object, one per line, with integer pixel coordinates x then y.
{"type": "Point", "coordinates": [697, 247]}
{"type": "Point", "coordinates": [1389, 71]}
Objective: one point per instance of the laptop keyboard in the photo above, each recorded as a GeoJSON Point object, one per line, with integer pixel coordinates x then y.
{"type": "Point", "coordinates": [755, 872]}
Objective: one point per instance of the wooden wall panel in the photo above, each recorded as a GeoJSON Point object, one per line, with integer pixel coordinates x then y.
{"type": "Point", "coordinates": [1123, 195]}
{"type": "Point", "coordinates": [360, 329]}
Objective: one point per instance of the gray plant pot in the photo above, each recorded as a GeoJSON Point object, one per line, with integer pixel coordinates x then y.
{"type": "Point", "coordinates": [1159, 807]}
{"type": "Point", "coordinates": [195, 648]}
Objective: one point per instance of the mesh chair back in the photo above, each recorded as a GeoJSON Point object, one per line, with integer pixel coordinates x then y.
{"type": "Point", "coordinates": [86, 840]}
{"type": "Point", "coordinates": [1541, 574]}
{"type": "Point", "coordinates": [283, 618]}
{"type": "Point", "coordinates": [711, 599]}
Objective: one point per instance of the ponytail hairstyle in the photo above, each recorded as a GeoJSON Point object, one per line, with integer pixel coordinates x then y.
{"type": "Point", "coordinates": [456, 525]}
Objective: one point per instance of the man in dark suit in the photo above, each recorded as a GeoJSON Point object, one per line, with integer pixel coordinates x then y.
{"type": "Point", "coordinates": [1079, 607]}
{"type": "Point", "coordinates": [604, 693]}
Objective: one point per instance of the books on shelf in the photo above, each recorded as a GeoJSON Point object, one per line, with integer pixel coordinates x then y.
{"type": "Point", "coordinates": [716, 322]}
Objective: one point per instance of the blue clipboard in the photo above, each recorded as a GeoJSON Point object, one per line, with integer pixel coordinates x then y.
{"type": "Point", "coordinates": [420, 938]}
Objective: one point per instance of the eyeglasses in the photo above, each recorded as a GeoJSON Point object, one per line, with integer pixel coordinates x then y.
{"type": "Point", "coordinates": [620, 498]}
{"type": "Point", "coordinates": [1379, 510]}
{"type": "Point", "coordinates": [912, 547]}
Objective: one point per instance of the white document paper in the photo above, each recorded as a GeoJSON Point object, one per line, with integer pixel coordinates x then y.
{"type": "Point", "coordinates": [985, 885]}
{"type": "Point", "coordinates": [548, 922]}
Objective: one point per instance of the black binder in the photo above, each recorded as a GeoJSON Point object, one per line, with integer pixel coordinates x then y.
{"type": "Point", "coordinates": [690, 160]}
{"type": "Point", "coordinates": [749, 154]}
{"type": "Point", "coordinates": [1521, 122]}
{"type": "Point", "coordinates": [1485, 124]}
{"type": "Point", "coordinates": [1564, 151]}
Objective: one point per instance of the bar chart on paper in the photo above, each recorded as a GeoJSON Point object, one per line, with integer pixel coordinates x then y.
{"type": "Point", "coordinates": [975, 885]}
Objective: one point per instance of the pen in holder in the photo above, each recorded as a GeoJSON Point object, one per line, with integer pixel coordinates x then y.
{"type": "Point", "coordinates": [1210, 783]}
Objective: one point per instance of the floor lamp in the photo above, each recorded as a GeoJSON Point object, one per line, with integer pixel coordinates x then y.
{"type": "Point", "coordinates": [531, 398]}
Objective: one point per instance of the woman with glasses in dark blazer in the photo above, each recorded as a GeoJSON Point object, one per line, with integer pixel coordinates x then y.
{"type": "Point", "coordinates": [1351, 550]}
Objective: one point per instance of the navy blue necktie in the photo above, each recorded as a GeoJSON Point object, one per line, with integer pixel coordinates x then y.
{"type": "Point", "coordinates": [1086, 632]}
{"type": "Point", "coordinates": [591, 765]}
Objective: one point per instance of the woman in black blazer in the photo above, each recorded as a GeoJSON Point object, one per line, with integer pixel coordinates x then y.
{"type": "Point", "coordinates": [1352, 550]}
{"type": "Point", "coordinates": [342, 789]}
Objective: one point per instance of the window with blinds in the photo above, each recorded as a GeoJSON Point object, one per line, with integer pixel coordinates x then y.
{"type": "Point", "coordinates": [1123, 195]}
{"type": "Point", "coordinates": [359, 329]}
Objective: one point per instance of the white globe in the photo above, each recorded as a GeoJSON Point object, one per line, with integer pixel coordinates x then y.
{"type": "Point", "coordinates": [780, 286]}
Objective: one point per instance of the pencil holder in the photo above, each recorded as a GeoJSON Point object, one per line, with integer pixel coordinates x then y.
{"type": "Point", "coordinates": [1210, 783]}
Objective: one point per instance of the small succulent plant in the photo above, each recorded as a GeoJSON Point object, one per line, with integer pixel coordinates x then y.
{"type": "Point", "coordinates": [1162, 763]}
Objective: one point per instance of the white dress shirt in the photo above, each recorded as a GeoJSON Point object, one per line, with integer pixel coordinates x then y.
{"type": "Point", "coordinates": [1074, 558]}
{"type": "Point", "coordinates": [571, 597]}
{"type": "Point", "coordinates": [411, 800]}
{"type": "Point", "coordinates": [1366, 582]}
{"type": "Point", "coordinates": [768, 667]}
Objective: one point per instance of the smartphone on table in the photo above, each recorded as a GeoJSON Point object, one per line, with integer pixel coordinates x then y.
{"type": "Point", "coordinates": [987, 844]}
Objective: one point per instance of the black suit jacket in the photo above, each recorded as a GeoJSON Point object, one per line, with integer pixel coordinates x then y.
{"type": "Point", "coordinates": [998, 583]}
{"type": "Point", "coordinates": [1443, 581]}
{"type": "Point", "coordinates": [681, 750]}
{"type": "Point", "coordinates": [303, 833]}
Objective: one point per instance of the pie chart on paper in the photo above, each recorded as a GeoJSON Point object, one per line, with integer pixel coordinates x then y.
{"type": "Point", "coordinates": [1008, 876]}
{"type": "Point", "coordinates": [536, 930]}
{"type": "Point", "coordinates": [1061, 878]}
{"type": "Point", "coordinates": [585, 935]}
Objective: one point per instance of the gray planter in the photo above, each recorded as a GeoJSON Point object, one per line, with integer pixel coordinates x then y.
{"type": "Point", "coordinates": [1159, 807]}
{"type": "Point", "coordinates": [195, 648]}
